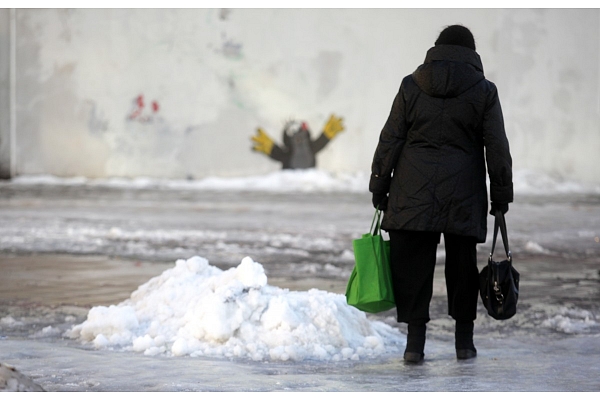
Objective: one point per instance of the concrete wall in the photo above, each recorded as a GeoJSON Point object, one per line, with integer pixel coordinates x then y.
{"type": "Point", "coordinates": [214, 76]}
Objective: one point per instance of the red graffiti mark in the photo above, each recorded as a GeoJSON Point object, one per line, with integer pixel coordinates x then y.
{"type": "Point", "coordinates": [138, 110]}
{"type": "Point", "coordinates": [139, 107]}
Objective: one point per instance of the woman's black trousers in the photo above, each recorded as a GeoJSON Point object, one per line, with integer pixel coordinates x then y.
{"type": "Point", "coordinates": [413, 259]}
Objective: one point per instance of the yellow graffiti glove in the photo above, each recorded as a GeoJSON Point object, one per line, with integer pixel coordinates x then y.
{"type": "Point", "coordinates": [262, 142]}
{"type": "Point", "coordinates": [333, 127]}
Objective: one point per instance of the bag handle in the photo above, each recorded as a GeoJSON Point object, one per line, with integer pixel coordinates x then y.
{"type": "Point", "coordinates": [500, 222]}
{"type": "Point", "coordinates": [377, 217]}
{"type": "Point", "coordinates": [377, 230]}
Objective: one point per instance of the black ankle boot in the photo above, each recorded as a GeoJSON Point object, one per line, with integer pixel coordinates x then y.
{"type": "Point", "coordinates": [465, 348]}
{"type": "Point", "coordinates": [415, 343]}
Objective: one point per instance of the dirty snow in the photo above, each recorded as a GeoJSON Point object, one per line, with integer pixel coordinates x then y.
{"type": "Point", "coordinates": [197, 309]}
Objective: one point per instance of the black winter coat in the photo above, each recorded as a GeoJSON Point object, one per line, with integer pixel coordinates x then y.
{"type": "Point", "coordinates": [445, 124]}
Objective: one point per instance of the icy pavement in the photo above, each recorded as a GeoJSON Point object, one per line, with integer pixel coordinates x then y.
{"type": "Point", "coordinates": [68, 248]}
{"type": "Point", "coordinates": [570, 364]}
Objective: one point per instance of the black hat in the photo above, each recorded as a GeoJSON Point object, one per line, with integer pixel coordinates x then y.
{"type": "Point", "coordinates": [457, 35]}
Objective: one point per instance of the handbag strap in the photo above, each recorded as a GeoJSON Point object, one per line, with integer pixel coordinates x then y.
{"type": "Point", "coordinates": [500, 222]}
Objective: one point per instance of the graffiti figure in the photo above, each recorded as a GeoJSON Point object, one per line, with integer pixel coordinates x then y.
{"type": "Point", "coordinates": [298, 150]}
{"type": "Point", "coordinates": [138, 110]}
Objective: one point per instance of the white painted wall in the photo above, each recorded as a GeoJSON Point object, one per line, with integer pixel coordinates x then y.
{"type": "Point", "coordinates": [219, 74]}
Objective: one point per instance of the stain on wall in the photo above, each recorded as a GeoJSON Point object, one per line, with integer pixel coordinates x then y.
{"type": "Point", "coordinates": [549, 86]}
{"type": "Point", "coordinates": [328, 65]}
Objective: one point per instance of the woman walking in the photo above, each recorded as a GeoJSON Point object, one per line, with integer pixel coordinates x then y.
{"type": "Point", "coordinates": [429, 177]}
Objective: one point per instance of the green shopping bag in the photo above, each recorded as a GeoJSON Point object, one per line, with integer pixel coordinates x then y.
{"type": "Point", "coordinates": [370, 285]}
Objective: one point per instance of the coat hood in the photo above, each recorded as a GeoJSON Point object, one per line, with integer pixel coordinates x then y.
{"type": "Point", "coordinates": [449, 71]}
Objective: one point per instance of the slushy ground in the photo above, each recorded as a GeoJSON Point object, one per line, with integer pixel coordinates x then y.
{"type": "Point", "coordinates": [67, 248]}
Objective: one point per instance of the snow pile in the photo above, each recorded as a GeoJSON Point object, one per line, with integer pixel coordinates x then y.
{"type": "Point", "coordinates": [12, 380]}
{"type": "Point", "coordinates": [199, 310]}
{"type": "Point", "coordinates": [48, 331]}
{"type": "Point", "coordinates": [9, 321]}
{"type": "Point", "coordinates": [309, 180]}
{"type": "Point", "coordinates": [536, 183]}
{"type": "Point", "coordinates": [535, 248]}
{"type": "Point", "coordinates": [571, 321]}
{"type": "Point", "coordinates": [304, 180]}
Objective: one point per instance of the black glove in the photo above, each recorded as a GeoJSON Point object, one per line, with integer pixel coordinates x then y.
{"type": "Point", "coordinates": [503, 207]}
{"type": "Point", "coordinates": [381, 200]}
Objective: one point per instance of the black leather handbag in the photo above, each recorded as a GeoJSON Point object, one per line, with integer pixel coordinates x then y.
{"type": "Point", "coordinates": [499, 280]}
